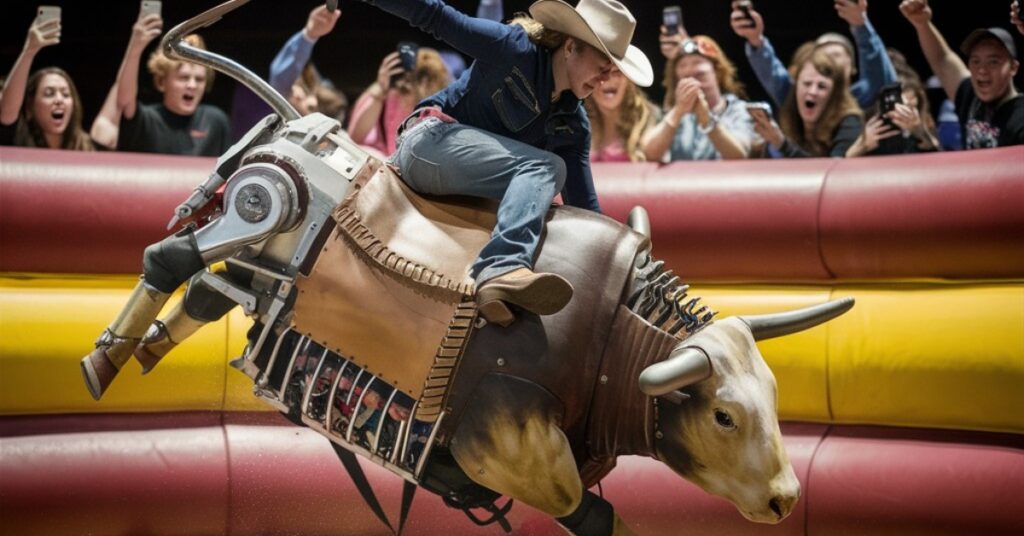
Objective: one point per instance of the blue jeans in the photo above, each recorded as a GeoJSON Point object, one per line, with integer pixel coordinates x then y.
{"type": "Point", "coordinates": [454, 159]}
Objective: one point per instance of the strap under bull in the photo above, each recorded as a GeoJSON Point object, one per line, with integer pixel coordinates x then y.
{"type": "Point", "coordinates": [348, 459]}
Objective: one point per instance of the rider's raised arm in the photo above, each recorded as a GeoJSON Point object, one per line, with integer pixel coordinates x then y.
{"type": "Point", "coordinates": [477, 38]}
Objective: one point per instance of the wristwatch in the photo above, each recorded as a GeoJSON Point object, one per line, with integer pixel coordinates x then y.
{"type": "Point", "coordinates": [712, 123]}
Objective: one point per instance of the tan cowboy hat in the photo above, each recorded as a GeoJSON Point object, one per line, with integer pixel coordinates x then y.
{"type": "Point", "coordinates": [604, 24]}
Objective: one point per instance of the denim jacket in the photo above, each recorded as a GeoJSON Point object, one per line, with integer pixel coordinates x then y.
{"type": "Point", "coordinates": [873, 63]}
{"type": "Point", "coordinates": [507, 89]}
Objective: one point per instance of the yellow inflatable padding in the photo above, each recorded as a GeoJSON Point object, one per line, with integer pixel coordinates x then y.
{"type": "Point", "coordinates": [909, 354]}
{"type": "Point", "coordinates": [48, 325]}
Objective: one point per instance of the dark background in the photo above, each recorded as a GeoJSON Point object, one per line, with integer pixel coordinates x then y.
{"type": "Point", "coordinates": [95, 34]}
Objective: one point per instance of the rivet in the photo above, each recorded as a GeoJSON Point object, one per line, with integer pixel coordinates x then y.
{"type": "Point", "coordinates": [604, 379]}
{"type": "Point", "coordinates": [658, 434]}
{"type": "Point", "coordinates": [501, 361]}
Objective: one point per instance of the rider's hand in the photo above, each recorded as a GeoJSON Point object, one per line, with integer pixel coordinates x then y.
{"type": "Point", "coordinates": [320, 22]}
{"type": "Point", "coordinates": [42, 34]}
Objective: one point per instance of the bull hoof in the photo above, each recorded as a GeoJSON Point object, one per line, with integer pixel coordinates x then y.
{"type": "Point", "coordinates": [146, 358]}
{"type": "Point", "coordinates": [98, 372]}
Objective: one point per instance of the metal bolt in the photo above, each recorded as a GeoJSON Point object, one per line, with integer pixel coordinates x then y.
{"type": "Point", "coordinates": [658, 434]}
{"type": "Point", "coordinates": [501, 361]}
{"type": "Point", "coordinates": [604, 379]}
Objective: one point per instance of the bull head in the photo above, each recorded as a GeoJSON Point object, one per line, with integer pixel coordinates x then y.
{"type": "Point", "coordinates": [724, 436]}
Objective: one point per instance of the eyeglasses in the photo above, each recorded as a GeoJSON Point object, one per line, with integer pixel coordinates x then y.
{"type": "Point", "coordinates": [699, 46]}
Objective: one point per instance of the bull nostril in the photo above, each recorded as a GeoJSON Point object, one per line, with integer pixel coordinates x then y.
{"type": "Point", "coordinates": [774, 505]}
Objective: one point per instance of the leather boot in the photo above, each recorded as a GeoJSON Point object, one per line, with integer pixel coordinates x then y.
{"type": "Point", "coordinates": [114, 347]}
{"type": "Point", "coordinates": [164, 335]}
{"type": "Point", "coordinates": [539, 293]}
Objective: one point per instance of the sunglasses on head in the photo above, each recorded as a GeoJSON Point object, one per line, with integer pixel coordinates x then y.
{"type": "Point", "coordinates": [698, 46]}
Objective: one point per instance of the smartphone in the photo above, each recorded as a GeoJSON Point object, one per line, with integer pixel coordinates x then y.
{"type": "Point", "coordinates": [888, 97]}
{"type": "Point", "coordinates": [760, 111]}
{"type": "Point", "coordinates": [47, 13]}
{"type": "Point", "coordinates": [149, 7]}
{"type": "Point", "coordinates": [672, 18]}
{"type": "Point", "coordinates": [745, 6]}
{"type": "Point", "coordinates": [407, 51]}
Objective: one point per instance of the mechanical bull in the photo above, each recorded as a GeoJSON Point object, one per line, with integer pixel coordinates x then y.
{"type": "Point", "coordinates": [365, 330]}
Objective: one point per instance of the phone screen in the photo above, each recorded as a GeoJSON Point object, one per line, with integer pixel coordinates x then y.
{"type": "Point", "coordinates": [672, 18]}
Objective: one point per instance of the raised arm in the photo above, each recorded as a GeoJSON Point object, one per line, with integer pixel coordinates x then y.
{"type": "Point", "coordinates": [144, 31]}
{"type": "Point", "coordinates": [365, 115]}
{"type": "Point", "coordinates": [105, 127]}
{"type": "Point", "coordinates": [946, 65]}
{"type": "Point", "coordinates": [770, 71]}
{"type": "Point", "coordinates": [39, 36]}
{"type": "Point", "coordinates": [293, 56]}
{"type": "Point", "coordinates": [873, 62]}
{"type": "Point", "coordinates": [477, 38]}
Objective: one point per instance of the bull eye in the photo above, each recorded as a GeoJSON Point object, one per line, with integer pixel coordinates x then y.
{"type": "Point", "coordinates": [723, 419]}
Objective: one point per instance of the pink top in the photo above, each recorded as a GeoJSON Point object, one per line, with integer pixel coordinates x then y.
{"type": "Point", "coordinates": [613, 152]}
{"type": "Point", "coordinates": [394, 112]}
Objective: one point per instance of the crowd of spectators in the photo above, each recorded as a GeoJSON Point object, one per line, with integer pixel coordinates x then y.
{"type": "Point", "coordinates": [837, 97]}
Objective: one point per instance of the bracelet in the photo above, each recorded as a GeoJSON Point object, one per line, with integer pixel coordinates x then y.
{"type": "Point", "coordinates": [712, 123]}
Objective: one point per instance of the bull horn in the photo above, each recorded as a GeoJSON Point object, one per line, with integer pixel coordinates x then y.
{"type": "Point", "coordinates": [778, 324]}
{"type": "Point", "coordinates": [639, 221]}
{"type": "Point", "coordinates": [686, 366]}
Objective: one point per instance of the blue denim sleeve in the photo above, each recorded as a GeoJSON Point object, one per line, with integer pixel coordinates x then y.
{"type": "Point", "coordinates": [770, 71]}
{"type": "Point", "coordinates": [876, 70]}
{"type": "Point", "coordinates": [490, 10]}
{"type": "Point", "coordinates": [289, 62]}
{"type": "Point", "coordinates": [579, 188]}
{"type": "Point", "coordinates": [474, 37]}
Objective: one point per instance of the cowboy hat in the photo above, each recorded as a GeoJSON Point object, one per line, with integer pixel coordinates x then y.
{"type": "Point", "coordinates": [604, 24]}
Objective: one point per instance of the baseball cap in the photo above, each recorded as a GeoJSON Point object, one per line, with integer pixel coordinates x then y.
{"type": "Point", "coordinates": [996, 33]}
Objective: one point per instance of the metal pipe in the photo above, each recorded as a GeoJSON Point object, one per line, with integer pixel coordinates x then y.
{"type": "Point", "coordinates": [174, 46]}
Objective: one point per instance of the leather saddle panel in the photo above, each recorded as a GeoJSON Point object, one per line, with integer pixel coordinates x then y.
{"type": "Point", "coordinates": [387, 285]}
{"type": "Point", "coordinates": [441, 235]}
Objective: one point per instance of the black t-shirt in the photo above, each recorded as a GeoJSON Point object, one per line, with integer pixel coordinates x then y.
{"type": "Point", "coordinates": [984, 126]}
{"type": "Point", "coordinates": [846, 132]}
{"type": "Point", "coordinates": [155, 129]}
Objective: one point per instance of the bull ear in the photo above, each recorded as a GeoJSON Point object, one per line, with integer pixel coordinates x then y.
{"type": "Point", "coordinates": [686, 366]}
{"type": "Point", "coordinates": [779, 324]}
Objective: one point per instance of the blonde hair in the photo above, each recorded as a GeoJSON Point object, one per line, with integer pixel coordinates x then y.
{"type": "Point", "coordinates": [538, 34]}
{"type": "Point", "coordinates": [725, 71]}
{"type": "Point", "coordinates": [160, 65]}
{"type": "Point", "coordinates": [840, 104]}
{"type": "Point", "coordinates": [27, 132]}
{"type": "Point", "coordinates": [636, 114]}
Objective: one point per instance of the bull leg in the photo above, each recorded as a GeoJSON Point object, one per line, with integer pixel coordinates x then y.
{"type": "Point", "coordinates": [167, 265]}
{"type": "Point", "coordinates": [200, 306]}
{"type": "Point", "coordinates": [510, 442]}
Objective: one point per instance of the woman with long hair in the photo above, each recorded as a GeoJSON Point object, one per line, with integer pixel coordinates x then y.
{"type": "Point", "coordinates": [705, 115]}
{"type": "Point", "coordinates": [44, 109]}
{"type": "Point", "coordinates": [819, 116]}
{"type": "Point", "coordinates": [619, 115]}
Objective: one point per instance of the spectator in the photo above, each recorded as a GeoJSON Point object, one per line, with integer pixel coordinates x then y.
{"type": "Point", "coordinates": [913, 117]}
{"type": "Point", "coordinates": [331, 101]}
{"type": "Point", "coordinates": [619, 115]}
{"type": "Point", "coordinates": [382, 107]}
{"type": "Point", "coordinates": [180, 123]}
{"type": "Point", "coordinates": [990, 109]}
{"type": "Point", "coordinates": [705, 117]}
{"type": "Point", "coordinates": [51, 116]}
{"type": "Point", "coordinates": [876, 71]}
{"type": "Point", "coordinates": [820, 117]}
{"type": "Point", "coordinates": [291, 72]}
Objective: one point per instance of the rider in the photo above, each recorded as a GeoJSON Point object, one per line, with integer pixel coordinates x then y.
{"type": "Point", "coordinates": [513, 128]}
